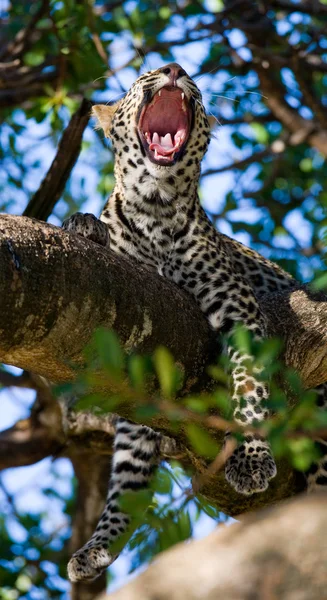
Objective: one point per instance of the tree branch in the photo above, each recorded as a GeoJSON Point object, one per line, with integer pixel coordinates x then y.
{"type": "Point", "coordinates": [42, 203]}
{"type": "Point", "coordinates": [56, 288]}
{"type": "Point", "coordinates": [92, 476]}
{"type": "Point", "coordinates": [254, 21]}
{"type": "Point", "coordinates": [22, 381]}
{"type": "Point", "coordinates": [50, 430]}
{"type": "Point", "coordinates": [45, 325]}
{"type": "Point", "coordinates": [276, 553]}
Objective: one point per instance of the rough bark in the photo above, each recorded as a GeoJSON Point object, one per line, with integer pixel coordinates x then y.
{"type": "Point", "coordinates": [299, 318]}
{"type": "Point", "coordinates": [279, 553]}
{"type": "Point", "coordinates": [56, 288]}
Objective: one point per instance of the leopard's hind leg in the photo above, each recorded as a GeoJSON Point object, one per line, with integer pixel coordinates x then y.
{"type": "Point", "coordinates": [136, 456]}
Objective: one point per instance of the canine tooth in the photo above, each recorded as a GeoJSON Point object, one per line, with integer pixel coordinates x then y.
{"type": "Point", "coordinates": [159, 93]}
{"type": "Point", "coordinates": [183, 95]}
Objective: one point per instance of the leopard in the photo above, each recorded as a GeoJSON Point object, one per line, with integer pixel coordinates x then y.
{"type": "Point", "coordinates": [159, 133]}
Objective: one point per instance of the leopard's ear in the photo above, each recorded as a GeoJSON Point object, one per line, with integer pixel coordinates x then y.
{"type": "Point", "coordinates": [104, 114]}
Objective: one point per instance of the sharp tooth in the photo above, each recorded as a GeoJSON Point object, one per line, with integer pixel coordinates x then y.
{"type": "Point", "coordinates": [183, 95]}
{"type": "Point", "coordinates": [166, 140]}
{"type": "Point", "coordinates": [159, 93]}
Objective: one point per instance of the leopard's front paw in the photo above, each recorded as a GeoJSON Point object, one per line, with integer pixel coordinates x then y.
{"type": "Point", "coordinates": [88, 563]}
{"type": "Point", "coordinates": [88, 226]}
{"type": "Point", "coordinates": [250, 467]}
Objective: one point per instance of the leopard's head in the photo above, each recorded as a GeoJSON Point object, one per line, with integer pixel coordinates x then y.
{"type": "Point", "coordinates": [160, 123]}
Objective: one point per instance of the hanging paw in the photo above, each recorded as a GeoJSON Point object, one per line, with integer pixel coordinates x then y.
{"type": "Point", "coordinates": [317, 473]}
{"type": "Point", "coordinates": [88, 563]}
{"type": "Point", "coordinates": [250, 467]}
{"type": "Point", "coordinates": [88, 226]}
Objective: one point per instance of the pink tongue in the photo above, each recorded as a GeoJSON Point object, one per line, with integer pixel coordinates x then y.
{"type": "Point", "coordinates": [163, 144]}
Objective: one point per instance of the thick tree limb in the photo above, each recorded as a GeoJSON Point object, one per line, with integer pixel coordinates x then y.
{"type": "Point", "coordinates": [279, 553]}
{"type": "Point", "coordinates": [56, 288]}
{"type": "Point", "coordinates": [300, 320]}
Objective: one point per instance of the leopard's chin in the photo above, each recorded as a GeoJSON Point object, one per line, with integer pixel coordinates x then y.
{"type": "Point", "coordinates": [164, 126]}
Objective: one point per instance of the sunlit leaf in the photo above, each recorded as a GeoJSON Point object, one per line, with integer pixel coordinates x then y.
{"type": "Point", "coordinates": [202, 442]}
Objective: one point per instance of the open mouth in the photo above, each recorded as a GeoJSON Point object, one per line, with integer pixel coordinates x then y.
{"type": "Point", "coordinates": [164, 125]}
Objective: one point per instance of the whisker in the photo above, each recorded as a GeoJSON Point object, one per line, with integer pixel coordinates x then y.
{"type": "Point", "coordinates": [143, 58]}
{"type": "Point", "coordinates": [98, 78]}
{"type": "Point", "coordinates": [116, 97]}
{"type": "Point", "coordinates": [203, 75]}
{"type": "Point", "coordinates": [231, 79]}
{"type": "Point", "coordinates": [215, 118]}
{"type": "Point", "coordinates": [240, 93]}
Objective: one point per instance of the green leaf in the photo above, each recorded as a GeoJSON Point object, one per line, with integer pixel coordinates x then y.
{"type": "Point", "coordinates": [306, 165]}
{"type": "Point", "coordinates": [223, 401]}
{"type": "Point", "coordinates": [137, 369]}
{"type": "Point", "coordinates": [163, 482]}
{"type": "Point", "coordinates": [33, 58]}
{"type": "Point", "coordinates": [260, 132]}
{"type": "Point", "coordinates": [320, 283]}
{"type": "Point", "coordinates": [197, 404]}
{"type": "Point", "coordinates": [302, 453]}
{"type": "Point", "coordinates": [167, 372]}
{"type": "Point", "coordinates": [215, 5]}
{"type": "Point", "coordinates": [211, 511]}
{"type": "Point", "coordinates": [241, 338]}
{"type": "Point", "coordinates": [201, 441]}
{"type": "Point", "coordinates": [134, 503]}
{"type": "Point", "coordinates": [164, 12]}
{"type": "Point", "coordinates": [109, 351]}
{"type": "Point", "coordinates": [217, 373]}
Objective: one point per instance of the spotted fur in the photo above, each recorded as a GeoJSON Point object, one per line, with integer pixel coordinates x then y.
{"type": "Point", "coordinates": [154, 216]}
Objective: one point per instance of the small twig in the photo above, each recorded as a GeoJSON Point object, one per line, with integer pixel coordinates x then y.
{"type": "Point", "coordinates": [200, 479]}
{"type": "Point", "coordinates": [240, 164]}
{"type": "Point", "coordinates": [22, 381]}
{"type": "Point", "coordinates": [17, 46]}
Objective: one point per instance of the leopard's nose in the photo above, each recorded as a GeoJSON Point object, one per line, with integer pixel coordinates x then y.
{"type": "Point", "coordinates": [174, 71]}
